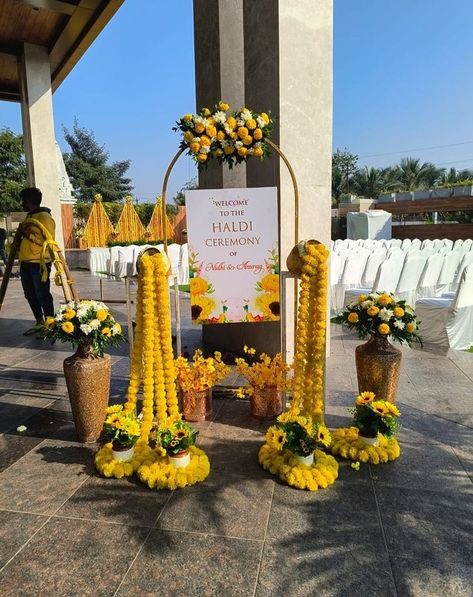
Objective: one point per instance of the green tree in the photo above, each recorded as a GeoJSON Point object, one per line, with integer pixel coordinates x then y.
{"type": "Point", "coordinates": [343, 167]}
{"type": "Point", "coordinates": [180, 198]}
{"type": "Point", "coordinates": [88, 168]}
{"type": "Point", "coordinates": [12, 170]}
{"type": "Point", "coordinates": [368, 182]}
{"type": "Point", "coordinates": [410, 175]}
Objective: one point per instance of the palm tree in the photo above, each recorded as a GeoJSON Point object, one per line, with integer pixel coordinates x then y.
{"type": "Point", "coordinates": [368, 182]}
{"type": "Point", "coordinates": [412, 175]}
{"type": "Point", "coordinates": [453, 176]}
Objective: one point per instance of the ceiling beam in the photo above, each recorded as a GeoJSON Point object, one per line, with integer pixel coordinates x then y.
{"type": "Point", "coordinates": [66, 7]}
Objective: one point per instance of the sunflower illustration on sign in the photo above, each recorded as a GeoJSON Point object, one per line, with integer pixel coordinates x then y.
{"type": "Point", "coordinates": [267, 288]}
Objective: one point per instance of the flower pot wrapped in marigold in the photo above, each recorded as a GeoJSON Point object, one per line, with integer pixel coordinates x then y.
{"type": "Point", "coordinates": [378, 363]}
{"type": "Point", "coordinates": [122, 429]}
{"type": "Point", "coordinates": [298, 435]}
{"type": "Point", "coordinates": [372, 417]}
{"type": "Point", "coordinates": [196, 380]}
{"type": "Point", "coordinates": [176, 439]}
{"type": "Point", "coordinates": [90, 328]}
{"type": "Point", "coordinates": [267, 380]}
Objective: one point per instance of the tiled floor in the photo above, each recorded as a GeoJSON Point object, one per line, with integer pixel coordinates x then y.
{"type": "Point", "coordinates": [404, 528]}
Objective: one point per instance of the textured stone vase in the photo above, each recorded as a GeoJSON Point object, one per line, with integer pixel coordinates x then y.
{"type": "Point", "coordinates": [266, 403]}
{"type": "Point", "coordinates": [88, 384]}
{"type": "Point", "coordinates": [196, 406]}
{"type": "Point", "coordinates": [378, 365]}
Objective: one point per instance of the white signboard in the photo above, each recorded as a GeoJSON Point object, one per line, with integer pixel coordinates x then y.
{"type": "Point", "coordinates": [233, 254]}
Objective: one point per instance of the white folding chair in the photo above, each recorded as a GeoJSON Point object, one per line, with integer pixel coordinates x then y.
{"type": "Point", "coordinates": [448, 271]}
{"type": "Point", "coordinates": [429, 278]}
{"type": "Point", "coordinates": [396, 242]}
{"type": "Point", "coordinates": [123, 265]}
{"type": "Point", "coordinates": [466, 260]}
{"type": "Point", "coordinates": [416, 243]}
{"type": "Point", "coordinates": [406, 244]}
{"type": "Point", "coordinates": [373, 262]}
{"type": "Point", "coordinates": [458, 243]}
{"type": "Point", "coordinates": [448, 322]}
{"type": "Point", "coordinates": [97, 259]}
{"type": "Point", "coordinates": [427, 243]}
{"type": "Point", "coordinates": [351, 277]}
{"type": "Point", "coordinates": [184, 264]}
{"type": "Point", "coordinates": [447, 243]}
{"type": "Point", "coordinates": [386, 279]}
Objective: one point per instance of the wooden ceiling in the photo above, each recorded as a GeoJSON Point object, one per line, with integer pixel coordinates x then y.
{"type": "Point", "coordinates": [66, 28]}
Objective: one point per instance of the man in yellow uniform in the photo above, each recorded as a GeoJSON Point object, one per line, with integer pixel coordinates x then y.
{"type": "Point", "coordinates": [37, 292]}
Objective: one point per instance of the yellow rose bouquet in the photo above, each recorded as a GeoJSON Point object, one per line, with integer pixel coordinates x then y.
{"type": "Point", "coordinates": [86, 323]}
{"type": "Point", "coordinates": [380, 314]}
{"type": "Point", "coordinates": [230, 137]}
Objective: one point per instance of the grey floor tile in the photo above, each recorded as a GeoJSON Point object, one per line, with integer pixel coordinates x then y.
{"type": "Point", "coordinates": [190, 564]}
{"type": "Point", "coordinates": [13, 447]}
{"type": "Point", "coordinates": [15, 530]}
{"type": "Point", "coordinates": [43, 479]}
{"type": "Point", "coordinates": [73, 558]}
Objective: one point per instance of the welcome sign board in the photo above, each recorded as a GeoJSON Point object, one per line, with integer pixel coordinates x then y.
{"type": "Point", "coordinates": [233, 254]}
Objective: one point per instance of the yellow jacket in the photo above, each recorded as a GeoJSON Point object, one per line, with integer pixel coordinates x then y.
{"type": "Point", "coordinates": [32, 245]}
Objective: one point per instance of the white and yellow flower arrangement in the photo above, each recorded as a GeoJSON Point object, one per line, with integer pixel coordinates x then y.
{"type": "Point", "coordinates": [229, 137]}
{"type": "Point", "coordinates": [84, 323]}
{"type": "Point", "coordinates": [379, 313]}
{"type": "Point", "coordinates": [372, 436]}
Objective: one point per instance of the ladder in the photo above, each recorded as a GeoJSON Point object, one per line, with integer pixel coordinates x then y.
{"type": "Point", "coordinates": [62, 276]}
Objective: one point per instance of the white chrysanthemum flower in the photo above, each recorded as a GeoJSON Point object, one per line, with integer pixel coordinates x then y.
{"type": "Point", "coordinates": [228, 130]}
{"type": "Point", "coordinates": [85, 328]}
{"type": "Point", "coordinates": [220, 117]}
{"type": "Point", "coordinates": [115, 329]}
{"type": "Point", "coordinates": [82, 312]}
{"type": "Point", "coordinates": [201, 120]}
{"type": "Point", "coordinates": [238, 144]}
{"type": "Point", "coordinates": [240, 122]}
{"type": "Point", "coordinates": [95, 324]}
{"type": "Point", "coordinates": [204, 149]}
{"type": "Point", "coordinates": [250, 151]}
{"type": "Point", "coordinates": [195, 140]}
{"type": "Point", "coordinates": [385, 314]}
{"type": "Point", "coordinates": [366, 304]}
{"type": "Point", "coordinates": [224, 143]}
{"type": "Point", "coordinates": [260, 122]}
{"type": "Point", "coordinates": [245, 115]}
{"type": "Point", "coordinates": [59, 317]}
{"type": "Point", "coordinates": [399, 324]}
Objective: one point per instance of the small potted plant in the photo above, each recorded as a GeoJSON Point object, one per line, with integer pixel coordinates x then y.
{"type": "Point", "coordinates": [196, 380]}
{"type": "Point", "coordinates": [379, 316]}
{"type": "Point", "coordinates": [373, 417]}
{"type": "Point", "coordinates": [267, 380]}
{"type": "Point", "coordinates": [89, 327]}
{"type": "Point", "coordinates": [176, 439]}
{"type": "Point", "coordinates": [300, 435]}
{"type": "Point", "coordinates": [122, 428]}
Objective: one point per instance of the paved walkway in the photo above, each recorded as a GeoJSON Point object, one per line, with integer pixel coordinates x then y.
{"type": "Point", "coordinates": [404, 528]}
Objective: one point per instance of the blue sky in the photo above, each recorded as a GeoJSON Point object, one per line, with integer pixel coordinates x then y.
{"type": "Point", "coordinates": [402, 81]}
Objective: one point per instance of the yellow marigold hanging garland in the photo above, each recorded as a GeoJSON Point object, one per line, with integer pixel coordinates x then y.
{"type": "Point", "coordinates": [152, 367]}
{"type": "Point", "coordinates": [308, 383]}
{"type": "Point", "coordinates": [347, 444]}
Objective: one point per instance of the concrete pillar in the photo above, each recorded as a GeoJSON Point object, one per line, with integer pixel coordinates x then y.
{"type": "Point", "coordinates": [284, 49]}
{"type": "Point", "coordinates": [38, 129]}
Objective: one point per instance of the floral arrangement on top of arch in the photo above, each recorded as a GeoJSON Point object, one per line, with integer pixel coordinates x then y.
{"type": "Point", "coordinates": [230, 137]}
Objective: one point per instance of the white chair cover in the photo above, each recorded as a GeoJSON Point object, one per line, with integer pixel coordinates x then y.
{"type": "Point", "coordinates": [123, 266]}
{"type": "Point", "coordinates": [447, 243]}
{"type": "Point", "coordinates": [406, 244]}
{"type": "Point", "coordinates": [447, 273]}
{"type": "Point", "coordinates": [112, 260]}
{"type": "Point", "coordinates": [184, 264]}
{"type": "Point", "coordinates": [468, 243]}
{"type": "Point", "coordinates": [416, 243]}
{"type": "Point", "coordinates": [351, 277]}
{"type": "Point", "coordinates": [373, 262]}
{"type": "Point", "coordinates": [386, 279]}
{"type": "Point", "coordinates": [458, 243]}
{"type": "Point", "coordinates": [396, 242]}
{"type": "Point", "coordinates": [97, 259]}
{"type": "Point", "coordinates": [410, 276]}
{"type": "Point", "coordinates": [429, 278]}
{"type": "Point", "coordinates": [174, 252]}
{"type": "Point", "coordinates": [427, 243]}
{"type": "Point", "coordinates": [448, 323]}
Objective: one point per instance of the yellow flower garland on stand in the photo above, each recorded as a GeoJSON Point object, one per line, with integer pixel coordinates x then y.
{"type": "Point", "coordinates": [152, 367]}
{"type": "Point", "coordinates": [309, 371]}
{"type": "Point", "coordinates": [347, 444]}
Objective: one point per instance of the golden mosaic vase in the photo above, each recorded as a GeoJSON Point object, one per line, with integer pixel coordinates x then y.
{"type": "Point", "coordinates": [378, 366]}
{"type": "Point", "coordinates": [196, 406]}
{"type": "Point", "coordinates": [266, 403]}
{"type": "Point", "coordinates": [88, 384]}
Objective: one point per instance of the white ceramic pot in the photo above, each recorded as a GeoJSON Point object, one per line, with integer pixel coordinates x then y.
{"type": "Point", "coordinates": [123, 455]}
{"type": "Point", "coordinates": [180, 460]}
{"type": "Point", "coordinates": [370, 441]}
{"type": "Point", "coordinates": [307, 460]}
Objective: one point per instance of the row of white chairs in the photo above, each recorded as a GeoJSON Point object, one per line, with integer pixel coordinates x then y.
{"type": "Point", "coordinates": [120, 261]}
{"type": "Point", "coordinates": [404, 244]}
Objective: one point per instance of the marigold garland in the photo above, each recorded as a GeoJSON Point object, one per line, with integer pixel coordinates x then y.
{"type": "Point", "coordinates": [152, 367]}
{"type": "Point", "coordinates": [319, 475]}
{"type": "Point", "coordinates": [347, 444]}
{"type": "Point", "coordinates": [309, 371]}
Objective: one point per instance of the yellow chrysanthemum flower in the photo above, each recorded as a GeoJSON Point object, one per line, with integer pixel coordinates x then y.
{"type": "Point", "coordinates": [410, 327]}
{"type": "Point", "coordinates": [353, 317]}
{"type": "Point", "coordinates": [242, 151]}
{"type": "Point", "coordinates": [257, 152]}
{"type": "Point", "coordinates": [385, 299]}
{"type": "Point", "coordinates": [69, 314]}
{"type": "Point", "coordinates": [265, 117]}
{"type": "Point", "coordinates": [228, 150]}
{"type": "Point", "coordinates": [201, 157]}
{"type": "Point", "coordinates": [188, 136]}
{"type": "Point", "coordinates": [106, 332]}
{"type": "Point", "coordinates": [251, 123]}
{"type": "Point", "coordinates": [383, 329]}
{"type": "Point", "coordinates": [206, 111]}
{"type": "Point", "coordinates": [194, 147]}
{"type": "Point", "coordinates": [205, 141]}
{"type": "Point", "coordinates": [187, 117]}
{"type": "Point", "coordinates": [398, 312]}
{"type": "Point", "coordinates": [223, 106]}
{"type": "Point", "coordinates": [362, 298]}
{"type": "Point", "coordinates": [220, 135]}
{"type": "Point", "coordinates": [67, 327]}
{"type": "Point", "coordinates": [257, 134]}
{"type": "Point", "coordinates": [49, 322]}
{"type": "Point", "coordinates": [199, 128]}
{"type": "Point", "coordinates": [373, 311]}
{"type": "Point", "coordinates": [242, 132]}
{"type": "Point", "coordinates": [231, 122]}
{"type": "Point", "coordinates": [102, 314]}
